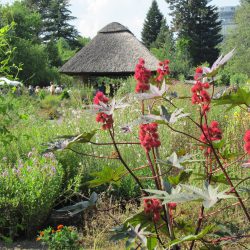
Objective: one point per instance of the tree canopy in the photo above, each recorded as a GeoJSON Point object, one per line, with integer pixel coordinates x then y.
{"type": "Point", "coordinates": [56, 17]}
{"type": "Point", "coordinates": [197, 22]}
{"type": "Point", "coordinates": [35, 38]}
{"type": "Point", "coordinates": [152, 25]}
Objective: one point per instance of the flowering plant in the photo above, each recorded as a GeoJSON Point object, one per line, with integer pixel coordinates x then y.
{"type": "Point", "coordinates": [168, 176]}
{"type": "Point", "coordinates": [27, 193]}
{"type": "Point", "coordinates": [63, 237]}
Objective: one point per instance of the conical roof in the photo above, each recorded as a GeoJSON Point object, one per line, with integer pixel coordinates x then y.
{"type": "Point", "coordinates": [113, 51]}
{"type": "Point", "coordinates": [114, 27]}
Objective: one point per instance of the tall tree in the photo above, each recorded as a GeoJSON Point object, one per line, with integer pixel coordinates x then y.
{"type": "Point", "coordinates": [197, 22]}
{"type": "Point", "coordinates": [56, 18]}
{"type": "Point", "coordinates": [164, 37]}
{"type": "Point", "coordinates": [29, 52]}
{"type": "Point", "coordinates": [152, 25]}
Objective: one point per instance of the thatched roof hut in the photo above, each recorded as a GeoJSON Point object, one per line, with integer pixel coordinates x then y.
{"type": "Point", "coordinates": [114, 51]}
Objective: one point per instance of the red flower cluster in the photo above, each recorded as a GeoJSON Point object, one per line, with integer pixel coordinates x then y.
{"type": "Point", "coordinates": [100, 97]}
{"type": "Point", "coordinates": [101, 117]}
{"type": "Point", "coordinates": [149, 137]}
{"type": "Point", "coordinates": [153, 206]}
{"type": "Point", "coordinates": [142, 76]}
{"type": "Point", "coordinates": [212, 133]}
{"type": "Point", "coordinates": [198, 73]}
{"type": "Point", "coordinates": [164, 70]}
{"type": "Point", "coordinates": [200, 96]}
{"type": "Point", "coordinates": [247, 141]}
{"type": "Point", "coordinates": [172, 205]}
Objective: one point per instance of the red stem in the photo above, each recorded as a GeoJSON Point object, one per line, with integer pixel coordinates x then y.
{"type": "Point", "coordinates": [153, 171]}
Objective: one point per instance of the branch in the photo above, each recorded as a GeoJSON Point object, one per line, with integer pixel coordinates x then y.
{"type": "Point", "coordinates": [229, 238]}
{"type": "Point", "coordinates": [118, 143]}
{"type": "Point", "coordinates": [224, 208]}
{"type": "Point", "coordinates": [190, 136]}
{"type": "Point", "coordinates": [123, 162]}
{"type": "Point", "coordinates": [94, 156]}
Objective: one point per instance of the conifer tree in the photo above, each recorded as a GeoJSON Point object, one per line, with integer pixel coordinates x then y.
{"type": "Point", "coordinates": [152, 25]}
{"type": "Point", "coordinates": [197, 22]}
{"type": "Point", "coordinates": [55, 16]}
{"type": "Point", "coordinates": [164, 37]}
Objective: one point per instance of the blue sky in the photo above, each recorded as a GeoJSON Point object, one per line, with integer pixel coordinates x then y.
{"type": "Point", "coordinates": [92, 15]}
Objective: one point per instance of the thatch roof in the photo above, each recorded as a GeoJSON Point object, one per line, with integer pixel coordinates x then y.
{"type": "Point", "coordinates": [113, 51]}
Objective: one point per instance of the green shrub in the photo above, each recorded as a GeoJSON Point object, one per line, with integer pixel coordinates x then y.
{"type": "Point", "coordinates": [50, 101]}
{"type": "Point", "coordinates": [50, 105]}
{"type": "Point", "coordinates": [223, 77]}
{"type": "Point", "coordinates": [62, 238]}
{"type": "Point", "coordinates": [65, 95]}
{"type": "Point", "coordinates": [127, 86]}
{"type": "Point", "coordinates": [28, 192]}
{"type": "Point", "coordinates": [238, 79]}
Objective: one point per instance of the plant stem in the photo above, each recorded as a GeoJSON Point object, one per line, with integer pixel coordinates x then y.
{"type": "Point", "coordinates": [153, 171]}
{"type": "Point", "coordinates": [165, 207]}
{"type": "Point", "coordinates": [230, 238]}
{"type": "Point", "coordinates": [230, 182]}
{"type": "Point", "coordinates": [198, 225]}
{"type": "Point", "coordinates": [224, 208]}
{"type": "Point", "coordinates": [94, 156]}
{"type": "Point", "coordinates": [117, 143]}
{"type": "Point", "coordinates": [124, 163]}
{"type": "Point", "coordinates": [181, 132]}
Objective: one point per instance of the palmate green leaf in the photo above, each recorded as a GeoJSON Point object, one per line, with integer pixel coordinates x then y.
{"type": "Point", "coordinates": [168, 187]}
{"type": "Point", "coordinates": [152, 243]}
{"type": "Point", "coordinates": [175, 196]}
{"type": "Point", "coordinates": [183, 176]}
{"type": "Point", "coordinates": [108, 175]}
{"type": "Point", "coordinates": [241, 97]}
{"type": "Point", "coordinates": [177, 161]}
{"type": "Point", "coordinates": [185, 225]}
{"type": "Point", "coordinates": [120, 233]}
{"type": "Point", "coordinates": [65, 141]}
{"type": "Point", "coordinates": [219, 178]}
{"type": "Point", "coordinates": [81, 138]}
{"type": "Point", "coordinates": [192, 237]}
{"type": "Point", "coordinates": [137, 232]}
{"type": "Point", "coordinates": [219, 144]}
{"type": "Point", "coordinates": [208, 195]}
{"type": "Point", "coordinates": [81, 206]}
{"type": "Point", "coordinates": [133, 234]}
{"type": "Point", "coordinates": [172, 117]}
{"type": "Point", "coordinates": [140, 218]}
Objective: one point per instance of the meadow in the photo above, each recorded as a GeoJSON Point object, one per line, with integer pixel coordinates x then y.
{"type": "Point", "coordinates": [35, 182]}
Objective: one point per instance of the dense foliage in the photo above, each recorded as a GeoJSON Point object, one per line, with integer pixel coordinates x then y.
{"type": "Point", "coordinates": [163, 167]}
{"type": "Point", "coordinates": [29, 189]}
{"type": "Point", "coordinates": [197, 22]}
{"type": "Point", "coordinates": [152, 25]}
{"type": "Point", "coordinates": [56, 17]}
{"type": "Point", "coordinates": [42, 37]}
